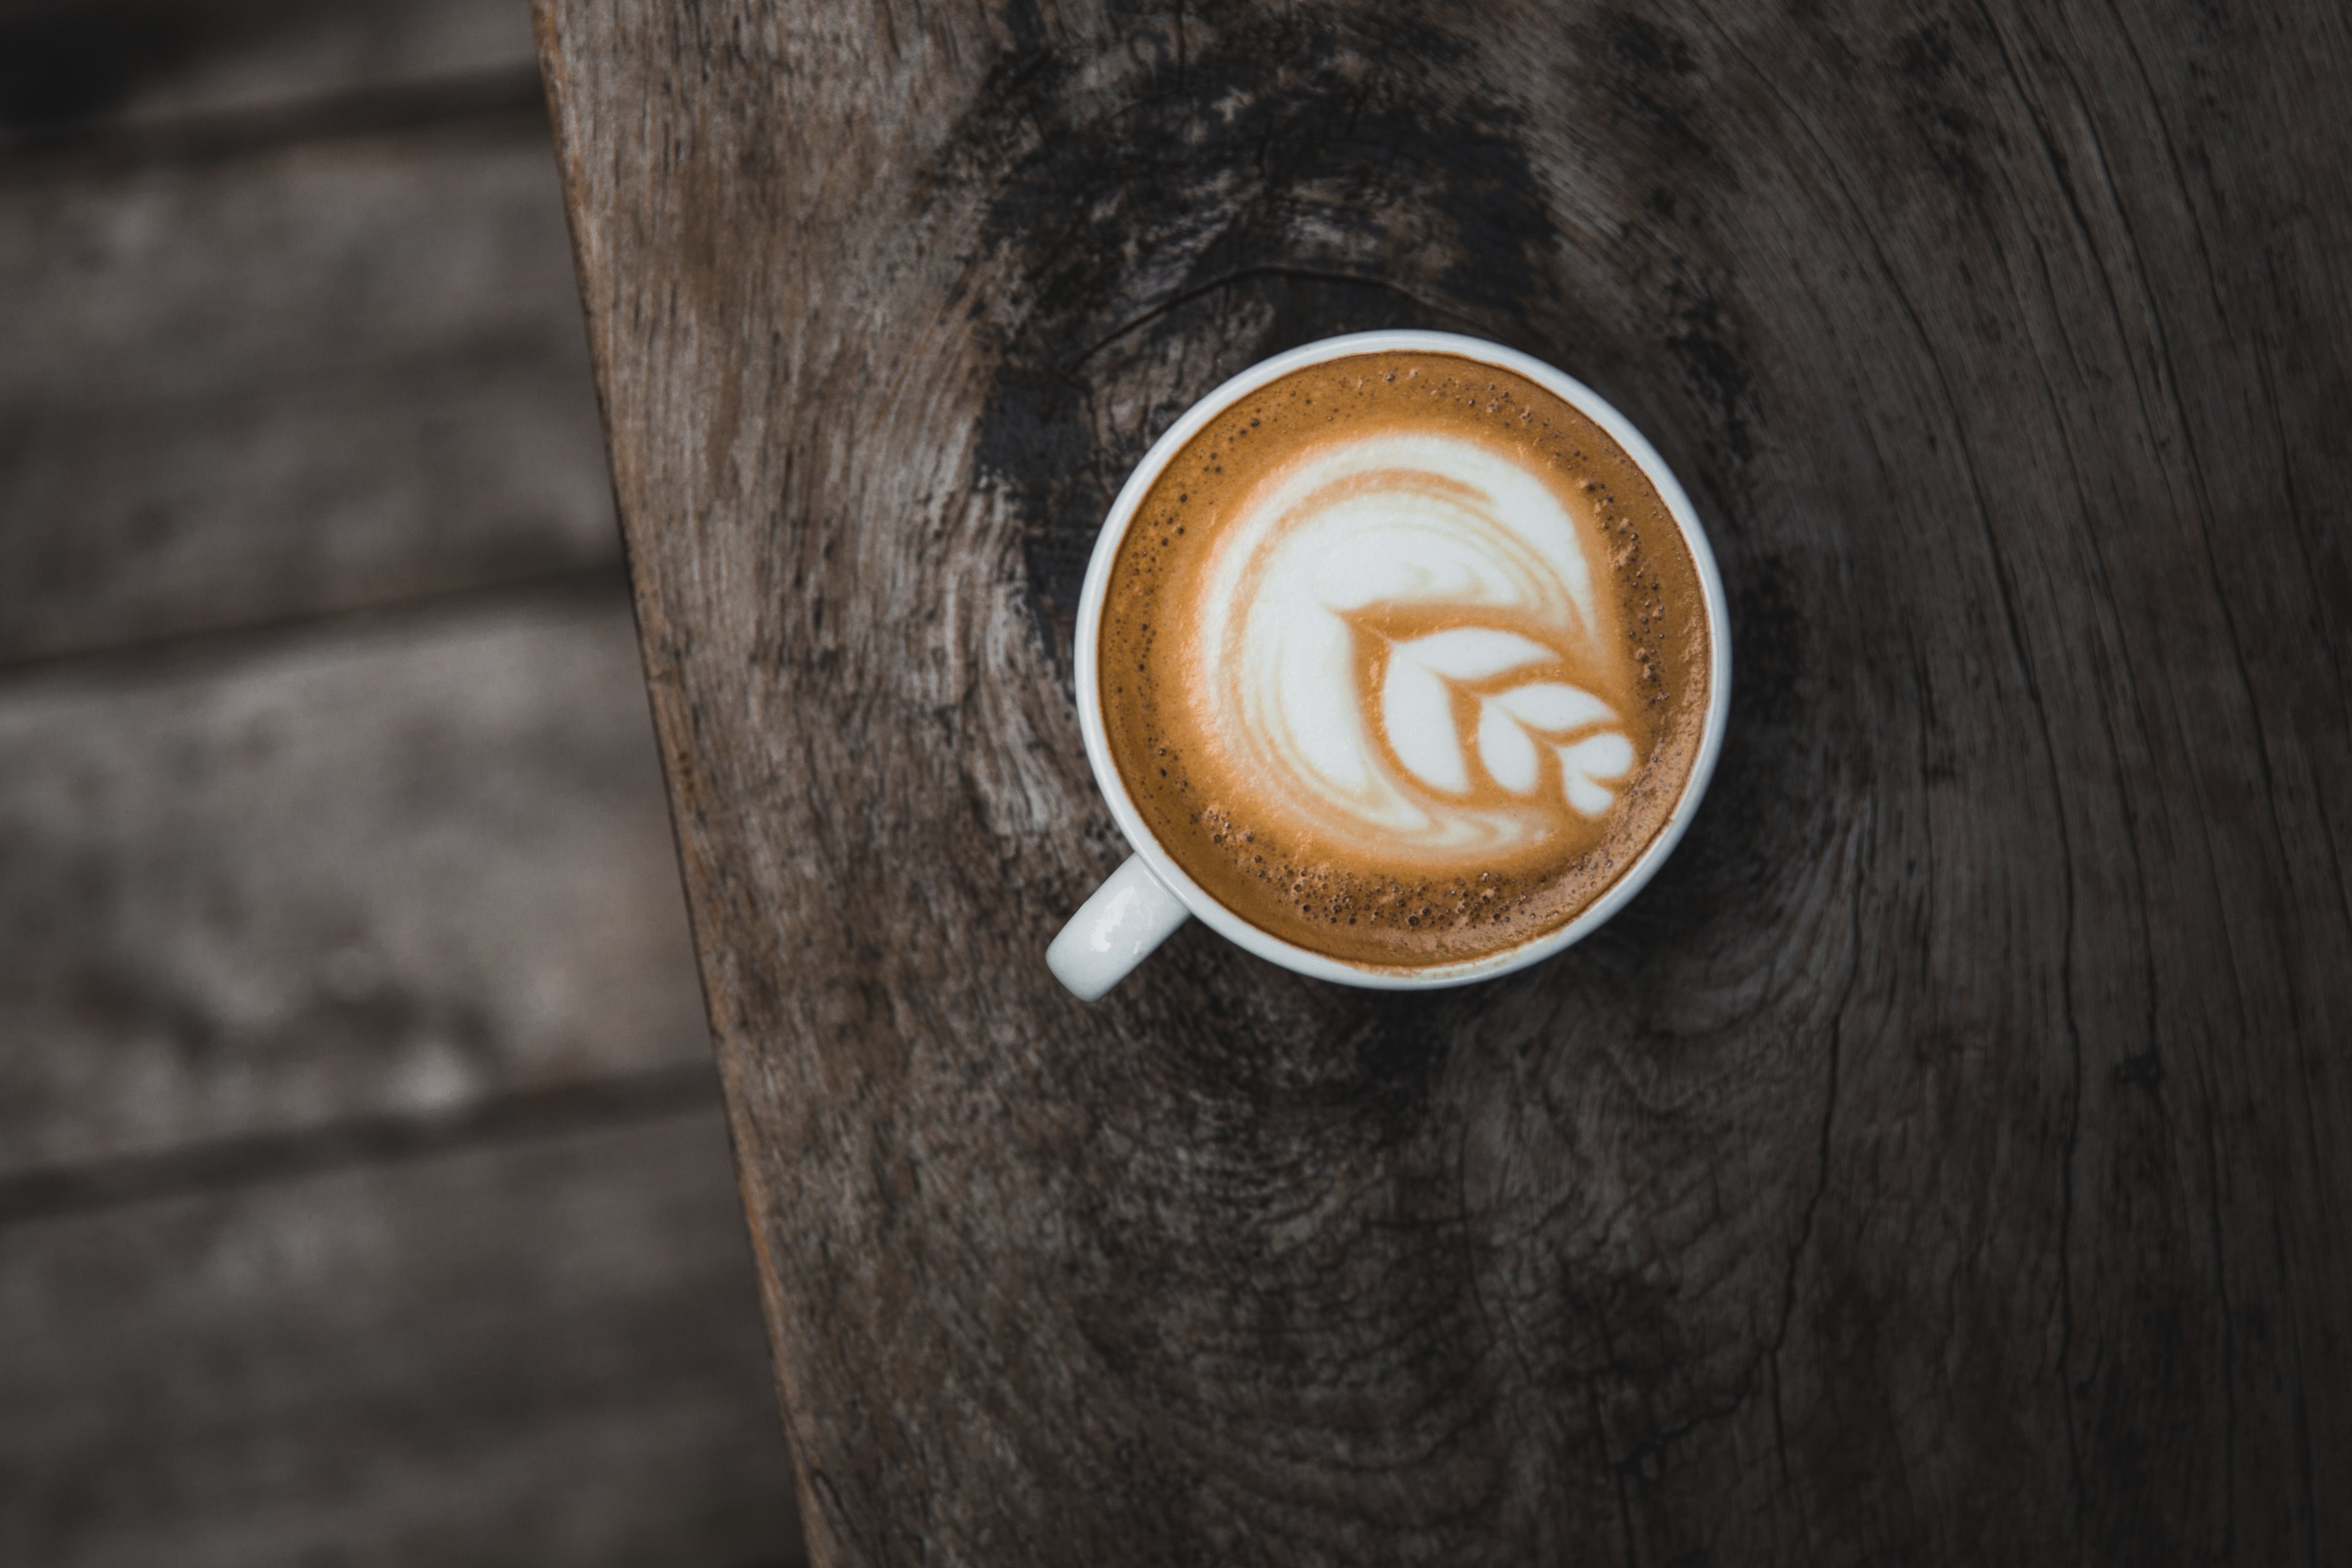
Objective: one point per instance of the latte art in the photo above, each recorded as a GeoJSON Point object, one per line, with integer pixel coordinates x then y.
{"type": "Point", "coordinates": [1418, 711]}
{"type": "Point", "coordinates": [1443, 746]}
{"type": "Point", "coordinates": [1402, 660]}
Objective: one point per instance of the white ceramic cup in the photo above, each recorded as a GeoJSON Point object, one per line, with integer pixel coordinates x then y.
{"type": "Point", "coordinates": [1150, 896]}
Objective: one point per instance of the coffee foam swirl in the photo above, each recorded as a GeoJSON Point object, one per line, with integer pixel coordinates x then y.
{"type": "Point", "coordinates": [1402, 660]}
{"type": "Point", "coordinates": [1403, 651]}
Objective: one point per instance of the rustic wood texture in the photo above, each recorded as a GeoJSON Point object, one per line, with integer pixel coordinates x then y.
{"type": "Point", "coordinates": [370, 1365]}
{"type": "Point", "coordinates": [83, 67]}
{"type": "Point", "coordinates": [363, 1190]}
{"type": "Point", "coordinates": [398, 868]}
{"type": "Point", "coordinates": [1949, 1158]}
{"type": "Point", "coordinates": [312, 375]}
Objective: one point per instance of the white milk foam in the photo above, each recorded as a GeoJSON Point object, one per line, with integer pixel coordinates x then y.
{"type": "Point", "coordinates": [1415, 523]}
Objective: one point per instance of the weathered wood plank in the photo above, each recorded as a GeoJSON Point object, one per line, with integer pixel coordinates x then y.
{"type": "Point", "coordinates": [86, 64]}
{"type": "Point", "coordinates": [305, 379]}
{"type": "Point", "coordinates": [1947, 1158]}
{"type": "Point", "coordinates": [408, 865]}
{"type": "Point", "coordinates": [539, 1352]}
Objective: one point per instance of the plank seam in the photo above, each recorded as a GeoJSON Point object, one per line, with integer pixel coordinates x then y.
{"type": "Point", "coordinates": [262, 1159]}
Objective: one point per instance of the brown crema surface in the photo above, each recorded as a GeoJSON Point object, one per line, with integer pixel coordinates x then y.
{"type": "Point", "coordinates": [1390, 907]}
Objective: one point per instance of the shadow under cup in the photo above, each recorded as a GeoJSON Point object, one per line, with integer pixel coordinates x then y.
{"type": "Point", "coordinates": [1435, 608]}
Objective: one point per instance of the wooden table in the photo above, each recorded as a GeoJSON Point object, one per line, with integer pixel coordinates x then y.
{"type": "Point", "coordinates": [1949, 1157]}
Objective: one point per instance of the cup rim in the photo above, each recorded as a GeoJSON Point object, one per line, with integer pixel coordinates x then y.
{"type": "Point", "coordinates": [1205, 907]}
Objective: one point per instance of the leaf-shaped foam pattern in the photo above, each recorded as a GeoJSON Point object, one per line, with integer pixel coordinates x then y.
{"type": "Point", "coordinates": [1554, 706]}
{"type": "Point", "coordinates": [1591, 799]}
{"type": "Point", "coordinates": [1584, 765]}
{"type": "Point", "coordinates": [1474, 653]}
{"type": "Point", "coordinates": [1417, 710]}
{"type": "Point", "coordinates": [1503, 745]}
{"type": "Point", "coordinates": [1368, 531]}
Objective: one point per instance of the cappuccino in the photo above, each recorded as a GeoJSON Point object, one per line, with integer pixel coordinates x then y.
{"type": "Point", "coordinates": [1403, 659]}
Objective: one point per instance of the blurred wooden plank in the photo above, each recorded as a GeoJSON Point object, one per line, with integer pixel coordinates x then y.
{"type": "Point", "coordinates": [80, 63]}
{"type": "Point", "coordinates": [542, 1352]}
{"type": "Point", "coordinates": [404, 867]}
{"type": "Point", "coordinates": [302, 379]}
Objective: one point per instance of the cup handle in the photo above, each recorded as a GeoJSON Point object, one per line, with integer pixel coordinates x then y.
{"type": "Point", "coordinates": [1130, 914]}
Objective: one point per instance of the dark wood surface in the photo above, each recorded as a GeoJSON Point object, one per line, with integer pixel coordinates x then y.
{"type": "Point", "coordinates": [364, 1196]}
{"type": "Point", "coordinates": [1948, 1159]}
{"type": "Point", "coordinates": [328, 367]}
{"type": "Point", "coordinates": [381, 869]}
{"type": "Point", "coordinates": [185, 69]}
{"type": "Point", "coordinates": [534, 1350]}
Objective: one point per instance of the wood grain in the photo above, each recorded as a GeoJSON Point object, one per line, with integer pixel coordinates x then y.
{"type": "Point", "coordinates": [1944, 1160]}
{"type": "Point", "coordinates": [405, 868]}
{"type": "Point", "coordinates": [100, 66]}
{"type": "Point", "coordinates": [300, 379]}
{"type": "Point", "coordinates": [372, 1365]}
